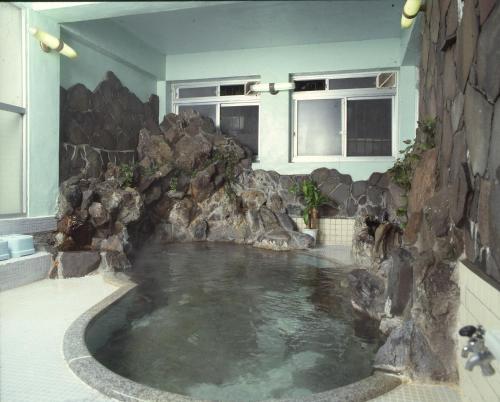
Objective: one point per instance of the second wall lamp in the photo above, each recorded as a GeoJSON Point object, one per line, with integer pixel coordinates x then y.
{"type": "Point", "coordinates": [410, 11]}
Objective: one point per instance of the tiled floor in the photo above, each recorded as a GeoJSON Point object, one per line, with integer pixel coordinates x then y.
{"type": "Point", "coordinates": [421, 393]}
{"type": "Point", "coordinates": [33, 320]}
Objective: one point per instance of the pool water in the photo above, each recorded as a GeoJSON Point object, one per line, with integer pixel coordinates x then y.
{"type": "Point", "coordinates": [232, 322]}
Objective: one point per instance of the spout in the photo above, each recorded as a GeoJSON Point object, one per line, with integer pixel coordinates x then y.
{"type": "Point", "coordinates": [482, 359]}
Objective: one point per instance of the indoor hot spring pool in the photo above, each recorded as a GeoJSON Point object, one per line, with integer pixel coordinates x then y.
{"type": "Point", "coordinates": [231, 322]}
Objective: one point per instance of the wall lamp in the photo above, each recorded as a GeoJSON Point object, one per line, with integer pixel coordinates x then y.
{"type": "Point", "coordinates": [272, 88]}
{"type": "Point", "coordinates": [410, 11]}
{"type": "Point", "coordinates": [49, 43]}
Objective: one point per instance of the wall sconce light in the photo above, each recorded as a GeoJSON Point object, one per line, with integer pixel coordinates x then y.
{"type": "Point", "coordinates": [49, 43]}
{"type": "Point", "coordinates": [272, 88]}
{"type": "Point", "coordinates": [410, 11]}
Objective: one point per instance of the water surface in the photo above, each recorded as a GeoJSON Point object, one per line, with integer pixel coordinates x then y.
{"type": "Point", "coordinates": [230, 322]}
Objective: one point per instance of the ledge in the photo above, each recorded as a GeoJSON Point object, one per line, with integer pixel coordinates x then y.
{"type": "Point", "coordinates": [27, 225]}
{"type": "Point", "coordinates": [20, 271]}
{"type": "Point", "coordinates": [89, 370]}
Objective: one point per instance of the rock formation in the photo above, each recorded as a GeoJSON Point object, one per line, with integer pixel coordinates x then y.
{"type": "Point", "coordinates": [127, 178]}
{"type": "Point", "coordinates": [453, 203]}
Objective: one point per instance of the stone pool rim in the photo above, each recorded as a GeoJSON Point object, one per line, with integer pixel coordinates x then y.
{"type": "Point", "coordinates": [83, 364]}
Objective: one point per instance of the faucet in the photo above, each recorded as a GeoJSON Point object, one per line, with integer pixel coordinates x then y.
{"type": "Point", "coordinates": [481, 356]}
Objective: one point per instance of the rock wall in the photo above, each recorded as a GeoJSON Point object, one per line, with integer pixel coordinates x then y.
{"type": "Point", "coordinates": [454, 201]}
{"type": "Point", "coordinates": [101, 126]}
{"type": "Point", "coordinates": [460, 86]}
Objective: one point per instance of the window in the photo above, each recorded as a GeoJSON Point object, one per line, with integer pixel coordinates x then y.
{"type": "Point", "coordinates": [225, 102]}
{"type": "Point", "coordinates": [342, 116]}
{"type": "Point", "coordinates": [12, 139]}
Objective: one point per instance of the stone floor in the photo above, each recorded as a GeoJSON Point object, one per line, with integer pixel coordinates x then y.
{"type": "Point", "coordinates": [33, 320]}
{"type": "Point", "coordinates": [421, 393]}
{"type": "Point", "coordinates": [35, 317]}
{"type": "Point", "coordinates": [340, 254]}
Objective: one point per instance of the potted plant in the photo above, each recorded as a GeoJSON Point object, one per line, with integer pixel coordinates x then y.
{"type": "Point", "coordinates": [313, 199]}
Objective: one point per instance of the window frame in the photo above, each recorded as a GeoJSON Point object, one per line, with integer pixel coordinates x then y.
{"type": "Point", "coordinates": [22, 111]}
{"type": "Point", "coordinates": [344, 95]}
{"type": "Point", "coordinates": [218, 100]}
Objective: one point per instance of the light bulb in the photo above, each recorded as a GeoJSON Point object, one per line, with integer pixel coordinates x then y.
{"type": "Point", "coordinates": [53, 43]}
{"type": "Point", "coordinates": [412, 7]}
{"type": "Point", "coordinates": [406, 22]}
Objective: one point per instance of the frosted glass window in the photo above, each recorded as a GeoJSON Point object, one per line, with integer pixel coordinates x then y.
{"type": "Point", "coordinates": [200, 92]}
{"type": "Point", "coordinates": [204, 110]}
{"type": "Point", "coordinates": [11, 163]}
{"type": "Point", "coordinates": [369, 127]}
{"type": "Point", "coordinates": [319, 127]}
{"type": "Point", "coordinates": [11, 57]}
{"type": "Point", "coordinates": [241, 122]}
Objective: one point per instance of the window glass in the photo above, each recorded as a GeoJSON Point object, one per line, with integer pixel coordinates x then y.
{"type": "Point", "coordinates": [352, 83]}
{"type": "Point", "coordinates": [204, 110]}
{"type": "Point", "coordinates": [11, 60]}
{"type": "Point", "coordinates": [369, 127]}
{"type": "Point", "coordinates": [11, 162]}
{"type": "Point", "coordinates": [241, 122]}
{"type": "Point", "coordinates": [310, 85]}
{"type": "Point", "coordinates": [231, 90]}
{"type": "Point", "coordinates": [200, 92]}
{"type": "Point", "coordinates": [319, 127]}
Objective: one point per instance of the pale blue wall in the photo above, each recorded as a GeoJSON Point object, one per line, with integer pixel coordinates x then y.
{"type": "Point", "coordinates": [91, 65]}
{"type": "Point", "coordinates": [276, 64]}
{"type": "Point", "coordinates": [43, 122]}
{"type": "Point", "coordinates": [108, 47]}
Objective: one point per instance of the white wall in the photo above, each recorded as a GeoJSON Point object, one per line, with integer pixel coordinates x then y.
{"type": "Point", "coordinates": [276, 64]}
{"type": "Point", "coordinates": [479, 302]}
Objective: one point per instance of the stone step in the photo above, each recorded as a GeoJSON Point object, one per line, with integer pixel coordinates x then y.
{"type": "Point", "coordinates": [20, 271]}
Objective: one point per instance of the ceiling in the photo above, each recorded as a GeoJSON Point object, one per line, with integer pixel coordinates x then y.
{"type": "Point", "coordinates": [256, 24]}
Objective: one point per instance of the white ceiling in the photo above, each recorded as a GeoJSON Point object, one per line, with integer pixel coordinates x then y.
{"type": "Point", "coordinates": [255, 24]}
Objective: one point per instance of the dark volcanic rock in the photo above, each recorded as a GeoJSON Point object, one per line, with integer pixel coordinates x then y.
{"type": "Point", "coordinates": [466, 43]}
{"type": "Point", "coordinates": [73, 264]}
{"type": "Point", "coordinates": [424, 181]}
{"type": "Point", "coordinates": [368, 293]}
{"type": "Point", "coordinates": [400, 280]}
{"type": "Point", "coordinates": [99, 215]}
{"type": "Point", "coordinates": [192, 152]}
{"type": "Point", "coordinates": [78, 98]}
{"type": "Point", "coordinates": [477, 113]}
{"type": "Point", "coordinates": [488, 55]}
{"type": "Point", "coordinates": [114, 261]}
{"type": "Point", "coordinates": [436, 213]}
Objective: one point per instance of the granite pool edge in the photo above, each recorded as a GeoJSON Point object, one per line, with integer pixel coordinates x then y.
{"type": "Point", "coordinates": [94, 374]}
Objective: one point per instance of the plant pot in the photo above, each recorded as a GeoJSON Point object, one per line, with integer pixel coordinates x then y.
{"type": "Point", "coordinates": [314, 218]}
{"type": "Point", "coordinates": [311, 232]}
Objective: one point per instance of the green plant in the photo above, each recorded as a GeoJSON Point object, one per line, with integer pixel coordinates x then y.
{"type": "Point", "coordinates": [404, 168]}
{"type": "Point", "coordinates": [151, 169]}
{"type": "Point", "coordinates": [229, 161]}
{"type": "Point", "coordinates": [312, 198]}
{"type": "Point", "coordinates": [173, 183]}
{"type": "Point", "coordinates": [127, 174]}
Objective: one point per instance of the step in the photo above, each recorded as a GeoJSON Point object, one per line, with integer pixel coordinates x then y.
{"type": "Point", "coordinates": [20, 271]}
